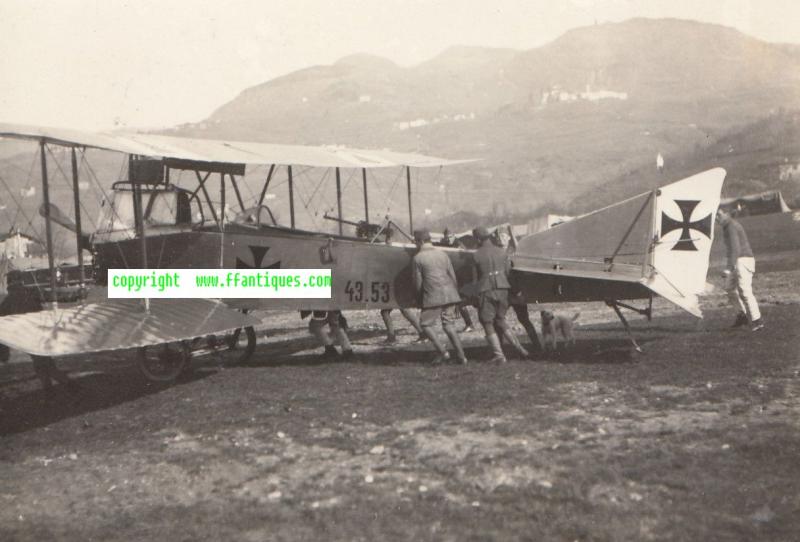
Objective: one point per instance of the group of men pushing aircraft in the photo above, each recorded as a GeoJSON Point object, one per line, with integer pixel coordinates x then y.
{"type": "Point", "coordinates": [631, 250]}
{"type": "Point", "coordinates": [439, 297]}
{"type": "Point", "coordinates": [440, 301]}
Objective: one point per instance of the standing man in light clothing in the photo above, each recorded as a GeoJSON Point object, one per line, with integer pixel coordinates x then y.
{"type": "Point", "coordinates": [740, 271]}
{"type": "Point", "coordinates": [435, 281]}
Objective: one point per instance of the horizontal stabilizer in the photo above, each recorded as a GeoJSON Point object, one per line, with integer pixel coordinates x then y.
{"type": "Point", "coordinates": [658, 241]}
{"type": "Point", "coordinates": [117, 325]}
{"type": "Point", "coordinates": [687, 301]}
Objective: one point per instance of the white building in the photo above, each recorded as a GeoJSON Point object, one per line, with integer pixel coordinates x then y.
{"type": "Point", "coordinates": [15, 244]}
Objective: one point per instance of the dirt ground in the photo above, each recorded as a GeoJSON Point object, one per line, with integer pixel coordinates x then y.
{"type": "Point", "coordinates": [698, 438]}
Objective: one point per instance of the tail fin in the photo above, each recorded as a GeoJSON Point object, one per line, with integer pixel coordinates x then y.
{"type": "Point", "coordinates": [660, 240]}
{"type": "Point", "coordinates": [683, 231]}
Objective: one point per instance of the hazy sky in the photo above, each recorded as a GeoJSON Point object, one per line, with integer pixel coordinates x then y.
{"type": "Point", "coordinates": [94, 64]}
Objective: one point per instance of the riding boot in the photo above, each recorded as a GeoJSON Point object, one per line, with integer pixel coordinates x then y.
{"type": "Point", "coordinates": [344, 342]}
{"type": "Point", "coordinates": [497, 350]}
{"type": "Point", "coordinates": [511, 338]}
{"type": "Point", "coordinates": [468, 324]}
{"type": "Point", "coordinates": [535, 343]}
{"type": "Point", "coordinates": [391, 336]}
{"type": "Point", "coordinates": [442, 354]}
{"type": "Point", "coordinates": [455, 340]}
{"type": "Point", "coordinates": [498, 331]}
{"type": "Point", "coordinates": [413, 320]}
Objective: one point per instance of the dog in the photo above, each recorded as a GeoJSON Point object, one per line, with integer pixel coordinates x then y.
{"type": "Point", "coordinates": [553, 324]}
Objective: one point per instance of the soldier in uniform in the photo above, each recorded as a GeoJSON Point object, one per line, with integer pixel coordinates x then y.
{"type": "Point", "coordinates": [337, 324]}
{"type": "Point", "coordinates": [386, 314]}
{"type": "Point", "coordinates": [492, 265]}
{"type": "Point", "coordinates": [435, 281]}
{"type": "Point", "coordinates": [450, 240]}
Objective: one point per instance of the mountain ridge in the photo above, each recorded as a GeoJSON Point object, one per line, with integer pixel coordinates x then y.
{"type": "Point", "coordinates": [583, 114]}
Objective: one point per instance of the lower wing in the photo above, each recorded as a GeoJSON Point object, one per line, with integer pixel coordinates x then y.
{"type": "Point", "coordinates": [117, 325]}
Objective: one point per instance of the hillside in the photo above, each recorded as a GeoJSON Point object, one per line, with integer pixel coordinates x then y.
{"type": "Point", "coordinates": [569, 124]}
{"type": "Point", "coordinates": [756, 158]}
{"type": "Point", "coordinates": [549, 123]}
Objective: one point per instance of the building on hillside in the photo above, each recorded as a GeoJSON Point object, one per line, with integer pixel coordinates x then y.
{"type": "Point", "coordinates": [786, 169]}
{"type": "Point", "coordinates": [789, 171]}
{"type": "Point", "coordinates": [764, 203]}
{"type": "Point", "coordinates": [545, 222]}
{"type": "Point", "coordinates": [15, 244]}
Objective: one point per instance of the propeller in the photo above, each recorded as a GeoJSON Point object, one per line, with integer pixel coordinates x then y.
{"type": "Point", "coordinates": [59, 217]}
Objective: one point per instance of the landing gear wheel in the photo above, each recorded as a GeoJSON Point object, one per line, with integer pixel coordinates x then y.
{"type": "Point", "coordinates": [241, 344]}
{"type": "Point", "coordinates": [163, 362]}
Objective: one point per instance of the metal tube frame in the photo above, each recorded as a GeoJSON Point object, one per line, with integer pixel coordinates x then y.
{"type": "Point", "coordinates": [291, 196]}
{"type": "Point", "coordinates": [339, 199]}
{"type": "Point", "coordinates": [366, 199]}
{"type": "Point", "coordinates": [47, 224]}
{"type": "Point", "coordinates": [410, 212]}
{"type": "Point", "coordinates": [77, 204]}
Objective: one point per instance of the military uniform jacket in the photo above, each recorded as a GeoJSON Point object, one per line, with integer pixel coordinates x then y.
{"type": "Point", "coordinates": [435, 278]}
{"type": "Point", "coordinates": [492, 266]}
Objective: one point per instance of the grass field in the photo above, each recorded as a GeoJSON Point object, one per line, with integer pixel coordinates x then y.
{"type": "Point", "coordinates": [695, 439]}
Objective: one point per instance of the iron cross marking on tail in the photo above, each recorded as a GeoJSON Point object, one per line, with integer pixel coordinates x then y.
{"type": "Point", "coordinates": [669, 224]}
{"type": "Point", "coordinates": [258, 258]}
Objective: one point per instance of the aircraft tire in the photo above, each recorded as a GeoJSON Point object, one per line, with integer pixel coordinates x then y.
{"type": "Point", "coordinates": [163, 362]}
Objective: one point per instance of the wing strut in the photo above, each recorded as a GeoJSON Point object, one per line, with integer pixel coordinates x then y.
{"type": "Point", "coordinates": [139, 223]}
{"type": "Point", "coordinates": [291, 196]}
{"type": "Point", "coordinates": [366, 200]}
{"type": "Point", "coordinates": [266, 185]}
{"type": "Point", "coordinates": [47, 225]}
{"type": "Point", "coordinates": [410, 213]}
{"type": "Point", "coordinates": [78, 231]}
{"type": "Point", "coordinates": [339, 200]}
{"type": "Point", "coordinates": [236, 191]}
{"type": "Point", "coordinates": [201, 180]}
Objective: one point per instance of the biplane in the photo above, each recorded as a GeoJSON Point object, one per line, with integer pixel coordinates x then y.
{"type": "Point", "coordinates": [656, 243]}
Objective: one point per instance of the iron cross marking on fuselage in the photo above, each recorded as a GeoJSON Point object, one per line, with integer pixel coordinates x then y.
{"type": "Point", "coordinates": [258, 258]}
{"type": "Point", "coordinates": [669, 224]}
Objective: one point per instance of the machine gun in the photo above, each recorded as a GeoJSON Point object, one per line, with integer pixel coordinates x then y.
{"type": "Point", "coordinates": [366, 230]}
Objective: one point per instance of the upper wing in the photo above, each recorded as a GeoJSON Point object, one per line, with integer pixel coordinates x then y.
{"type": "Point", "coordinates": [117, 325]}
{"type": "Point", "coordinates": [657, 242]}
{"type": "Point", "coordinates": [232, 152]}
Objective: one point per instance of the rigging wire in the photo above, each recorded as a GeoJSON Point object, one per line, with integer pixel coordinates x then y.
{"type": "Point", "coordinates": [20, 210]}
{"type": "Point", "coordinates": [387, 197]}
{"type": "Point", "coordinates": [305, 198]}
{"type": "Point", "coordinates": [93, 176]}
{"type": "Point", "coordinates": [29, 179]}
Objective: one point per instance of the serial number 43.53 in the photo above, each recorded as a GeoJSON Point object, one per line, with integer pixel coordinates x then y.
{"type": "Point", "coordinates": [378, 291]}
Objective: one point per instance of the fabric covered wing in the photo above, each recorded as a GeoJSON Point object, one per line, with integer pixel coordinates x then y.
{"type": "Point", "coordinates": [227, 151]}
{"type": "Point", "coordinates": [117, 325]}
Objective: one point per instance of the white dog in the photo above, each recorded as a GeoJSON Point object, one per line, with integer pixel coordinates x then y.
{"type": "Point", "coordinates": [553, 324]}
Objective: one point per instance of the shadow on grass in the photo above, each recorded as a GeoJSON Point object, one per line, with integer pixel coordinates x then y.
{"type": "Point", "coordinates": [589, 351]}
{"type": "Point", "coordinates": [31, 408]}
